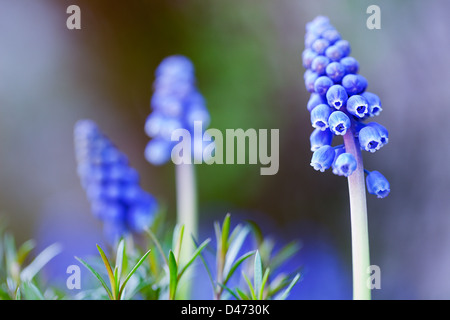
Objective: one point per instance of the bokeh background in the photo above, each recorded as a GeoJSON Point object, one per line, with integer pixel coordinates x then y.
{"type": "Point", "coordinates": [247, 56]}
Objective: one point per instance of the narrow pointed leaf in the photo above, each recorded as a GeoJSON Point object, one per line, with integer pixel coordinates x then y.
{"type": "Point", "coordinates": [208, 269]}
{"type": "Point", "coordinates": [40, 261]}
{"type": "Point", "coordinates": [119, 257]}
{"type": "Point", "coordinates": [284, 254]}
{"type": "Point", "coordinates": [263, 284]}
{"type": "Point", "coordinates": [194, 255]}
{"type": "Point", "coordinates": [257, 274]}
{"type": "Point", "coordinates": [109, 270]}
{"type": "Point", "coordinates": [24, 250]}
{"type": "Point", "coordinates": [234, 248]}
{"type": "Point", "coordinates": [230, 291]}
{"type": "Point", "coordinates": [177, 241]}
{"type": "Point", "coordinates": [31, 292]}
{"type": "Point", "coordinates": [237, 264]}
{"type": "Point", "coordinates": [173, 274]}
{"type": "Point", "coordinates": [286, 292]}
{"type": "Point", "coordinates": [242, 295]}
{"type": "Point", "coordinates": [250, 286]}
{"type": "Point", "coordinates": [225, 232]}
{"type": "Point", "coordinates": [137, 265]}
{"type": "Point", "coordinates": [99, 278]}
{"type": "Point", "coordinates": [158, 245]}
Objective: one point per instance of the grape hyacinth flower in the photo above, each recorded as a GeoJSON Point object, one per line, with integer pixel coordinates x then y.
{"type": "Point", "coordinates": [111, 185]}
{"type": "Point", "coordinates": [340, 104]}
{"type": "Point", "coordinates": [177, 104]}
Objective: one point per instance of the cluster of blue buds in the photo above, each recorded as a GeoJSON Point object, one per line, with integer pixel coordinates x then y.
{"type": "Point", "coordinates": [339, 104]}
{"type": "Point", "coordinates": [111, 185]}
{"type": "Point", "coordinates": [176, 104]}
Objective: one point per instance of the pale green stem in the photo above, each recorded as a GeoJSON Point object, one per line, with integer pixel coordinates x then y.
{"type": "Point", "coordinates": [187, 216]}
{"type": "Point", "coordinates": [359, 225]}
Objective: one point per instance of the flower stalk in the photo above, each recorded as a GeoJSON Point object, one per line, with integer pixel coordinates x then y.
{"type": "Point", "coordinates": [359, 224]}
{"type": "Point", "coordinates": [187, 216]}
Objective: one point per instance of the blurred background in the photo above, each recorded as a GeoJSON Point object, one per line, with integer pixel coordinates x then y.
{"type": "Point", "coordinates": [247, 56]}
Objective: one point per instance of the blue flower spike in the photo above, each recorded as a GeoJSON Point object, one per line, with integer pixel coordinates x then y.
{"type": "Point", "coordinates": [177, 104]}
{"type": "Point", "coordinates": [111, 185]}
{"type": "Point", "coordinates": [348, 105]}
{"type": "Point", "coordinates": [339, 103]}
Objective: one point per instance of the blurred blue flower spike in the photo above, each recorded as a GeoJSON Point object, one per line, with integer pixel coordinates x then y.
{"type": "Point", "coordinates": [111, 185]}
{"type": "Point", "coordinates": [176, 104]}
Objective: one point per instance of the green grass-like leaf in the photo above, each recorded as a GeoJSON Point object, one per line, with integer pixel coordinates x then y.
{"type": "Point", "coordinates": [237, 264]}
{"type": "Point", "coordinates": [263, 284]}
{"type": "Point", "coordinates": [24, 250]}
{"type": "Point", "coordinates": [31, 292]}
{"type": "Point", "coordinates": [137, 265]}
{"type": "Point", "coordinates": [97, 275]}
{"type": "Point", "coordinates": [194, 255]}
{"type": "Point", "coordinates": [286, 292]}
{"type": "Point", "coordinates": [239, 235]}
{"type": "Point", "coordinates": [178, 240]}
{"type": "Point", "coordinates": [112, 279]}
{"type": "Point", "coordinates": [250, 286]}
{"type": "Point", "coordinates": [225, 233]}
{"type": "Point", "coordinates": [173, 275]}
{"type": "Point", "coordinates": [40, 261]}
{"type": "Point", "coordinates": [257, 275]}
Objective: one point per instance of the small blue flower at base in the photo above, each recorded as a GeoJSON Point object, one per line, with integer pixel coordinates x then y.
{"type": "Point", "coordinates": [374, 103]}
{"type": "Point", "coordinates": [337, 152]}
{"type": "Point", "coordinates": [357, 105]}
{"type": "Point", "coordinates": [323, 158]}
{"type": "Point", "coordinates": [320, 115]}
{"type": "Point", "coordinates": [377, 184]}
{"type": "Point", "coordinates": [320, 138]}
{"type": "Point", "coordinates": [339, 123]}
{"type": "Point", "coordinates": [345, 164]}
{"type": "Point", "coordinates": [382, 131]}
{"type": "Point", "coordinates": [369, 139]}
{"type": "Point", "coordinates": [337, 96]}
